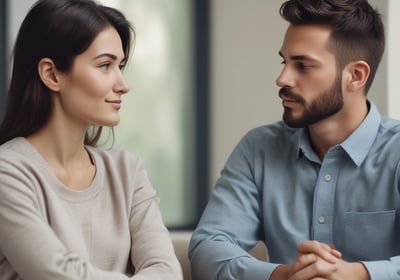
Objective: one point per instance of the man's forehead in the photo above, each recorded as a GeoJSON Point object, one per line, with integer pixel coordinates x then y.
{"type": "Point", "coordinates": [305, 42]}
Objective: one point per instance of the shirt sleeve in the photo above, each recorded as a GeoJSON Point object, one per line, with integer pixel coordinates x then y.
{"type": "Point", "coordinates": [231, 224]}
{"type": "Point", "coordinates": [28, 243]}
{"type": "Point", "coordinates": [383, 270]}
{"type": "Point", "coordinates": [152, 251]}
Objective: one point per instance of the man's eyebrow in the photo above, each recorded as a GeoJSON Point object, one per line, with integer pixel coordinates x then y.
{"type": "Point", "coordinates": [300, 57]}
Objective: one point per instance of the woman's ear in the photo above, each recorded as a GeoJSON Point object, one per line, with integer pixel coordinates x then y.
{"type": "Point", "coordinates": [49, 74]}
{"type": "Point", "coordinates": [358, 75]}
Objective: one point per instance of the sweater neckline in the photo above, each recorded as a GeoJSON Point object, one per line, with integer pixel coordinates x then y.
{"type": "Point", "coordinates": [61, 189]}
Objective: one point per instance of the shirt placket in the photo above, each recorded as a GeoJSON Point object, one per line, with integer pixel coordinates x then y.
{"type": "Point", "coordinates": [322, 224]}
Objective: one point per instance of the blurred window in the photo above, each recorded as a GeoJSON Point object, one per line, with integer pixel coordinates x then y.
{"type": "Point", "coordinates": [158, 115]}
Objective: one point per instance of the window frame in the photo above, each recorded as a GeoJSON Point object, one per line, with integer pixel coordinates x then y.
{"type": "Point", "coordinates": [3, 57]}
{"type": "Point", "coordinates": [202, 45]}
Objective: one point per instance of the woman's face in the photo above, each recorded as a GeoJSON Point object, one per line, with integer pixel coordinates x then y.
{"type": "Point", "coordinates": [91, 92]}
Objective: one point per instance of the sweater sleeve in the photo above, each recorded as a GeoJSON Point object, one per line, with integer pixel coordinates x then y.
{"type": "Point", "coordinates": [27, 243]}
{"type": "Point", "coordinates": [152, 252]}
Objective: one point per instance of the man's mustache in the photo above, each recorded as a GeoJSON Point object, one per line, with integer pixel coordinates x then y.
{"type": "Point", "coordinates": [286, 93]}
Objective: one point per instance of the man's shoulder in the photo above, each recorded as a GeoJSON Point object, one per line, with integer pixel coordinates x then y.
{"type": "Point", "coordinates": [277, 131]}
{"type": "Point", "coordinates": [273, 137]}
{"type": "Point", "coordinates": [389, 128]}
{"type": "Point", "coordinates": [390, 124]}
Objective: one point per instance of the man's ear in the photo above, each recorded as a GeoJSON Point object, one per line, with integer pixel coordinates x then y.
{"type": "Point", "coordinates": [49, 74]}
{"type": "Point", "coordinates": [358, 75]}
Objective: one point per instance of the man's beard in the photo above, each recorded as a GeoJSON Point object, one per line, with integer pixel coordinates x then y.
{"type": "Point", "coordinates": [325, 105]}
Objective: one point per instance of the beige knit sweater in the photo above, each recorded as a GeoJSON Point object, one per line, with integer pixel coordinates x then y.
{"type": "Point", "coordinates": [111, 230]}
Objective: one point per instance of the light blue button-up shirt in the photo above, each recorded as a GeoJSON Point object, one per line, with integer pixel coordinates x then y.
{"type": "Point", "coordinates": [275, 188]}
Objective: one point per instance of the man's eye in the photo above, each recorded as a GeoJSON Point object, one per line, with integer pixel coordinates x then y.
{"type": "Point", "coordinates": [303, 66]}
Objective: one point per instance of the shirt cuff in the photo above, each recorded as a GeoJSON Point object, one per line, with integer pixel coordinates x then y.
{"type": "Point", "coordinates": [382, 270]}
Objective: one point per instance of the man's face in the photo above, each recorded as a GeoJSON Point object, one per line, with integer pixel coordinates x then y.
{"type": "Point", "coordinates": [311, 88]}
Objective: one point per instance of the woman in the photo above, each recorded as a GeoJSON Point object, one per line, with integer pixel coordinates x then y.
{"type": "Point", "coordinates": [70, 210]}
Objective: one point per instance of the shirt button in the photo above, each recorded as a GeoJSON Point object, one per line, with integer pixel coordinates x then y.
{"type": "Point", "coordinates": [321, 220]}
{"type": "Point", "coordinates": [327, 177]}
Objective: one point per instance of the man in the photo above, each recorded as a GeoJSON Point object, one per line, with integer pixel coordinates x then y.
{"type": "Point", "coordinates": [321, 188]}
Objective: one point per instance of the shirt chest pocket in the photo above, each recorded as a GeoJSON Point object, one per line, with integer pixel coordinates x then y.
{"type": "Point", "coordinates": [372, 235]}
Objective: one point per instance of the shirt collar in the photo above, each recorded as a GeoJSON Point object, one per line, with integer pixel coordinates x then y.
{"type": "Point", "coordinates": [304, 146]}
{"type": "Point", "coordinates": [357, 145]}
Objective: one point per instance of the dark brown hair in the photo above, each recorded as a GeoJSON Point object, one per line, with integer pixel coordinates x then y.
{"type": "Point", "coordinates": [357, 29]}
{"type": "Point", "coordinates": [59, 30]}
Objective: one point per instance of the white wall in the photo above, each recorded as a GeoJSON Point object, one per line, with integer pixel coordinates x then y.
{"type": "Point", "coordinates": [17, 10]}
{"type": "Point", "coordinates": [393, 42]}
{"type": "Point", "coordinates": [246, 38]}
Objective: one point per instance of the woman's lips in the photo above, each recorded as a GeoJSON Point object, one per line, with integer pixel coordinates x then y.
{"type": "Point", "coordinates": [115, 103]}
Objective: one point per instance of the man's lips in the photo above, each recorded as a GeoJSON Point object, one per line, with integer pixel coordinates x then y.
{"type": "Point", "coordinates": [287, 96]}
{"type": "Point", "coordinates": [286, 99]}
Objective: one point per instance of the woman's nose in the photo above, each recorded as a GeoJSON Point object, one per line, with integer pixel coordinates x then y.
{"type": "Point", "coordinates": [121, 86]}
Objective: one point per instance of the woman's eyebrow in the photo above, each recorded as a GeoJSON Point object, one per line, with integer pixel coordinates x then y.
{"type": "Point", "coordinates": [110, 55]}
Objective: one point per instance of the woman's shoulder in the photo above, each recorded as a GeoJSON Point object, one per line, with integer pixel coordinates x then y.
{"type": "Point", "coordinates": [10, 144]}
{"type": "Point", "coordinates": [115, 156]}
{"type": "Point", "coordinates": [16, 149]}
{"type": "Point", "coordinates": [19, 159]}
{"type": "Point", "coordinates": [121, 165]}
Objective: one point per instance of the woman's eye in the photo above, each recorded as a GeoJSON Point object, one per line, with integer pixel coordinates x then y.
{"type": "Point", "coordinates": [105, 65]}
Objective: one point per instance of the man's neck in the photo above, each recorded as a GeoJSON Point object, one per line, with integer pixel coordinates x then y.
{"type": "Point", "coordinates": [336, 129]}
